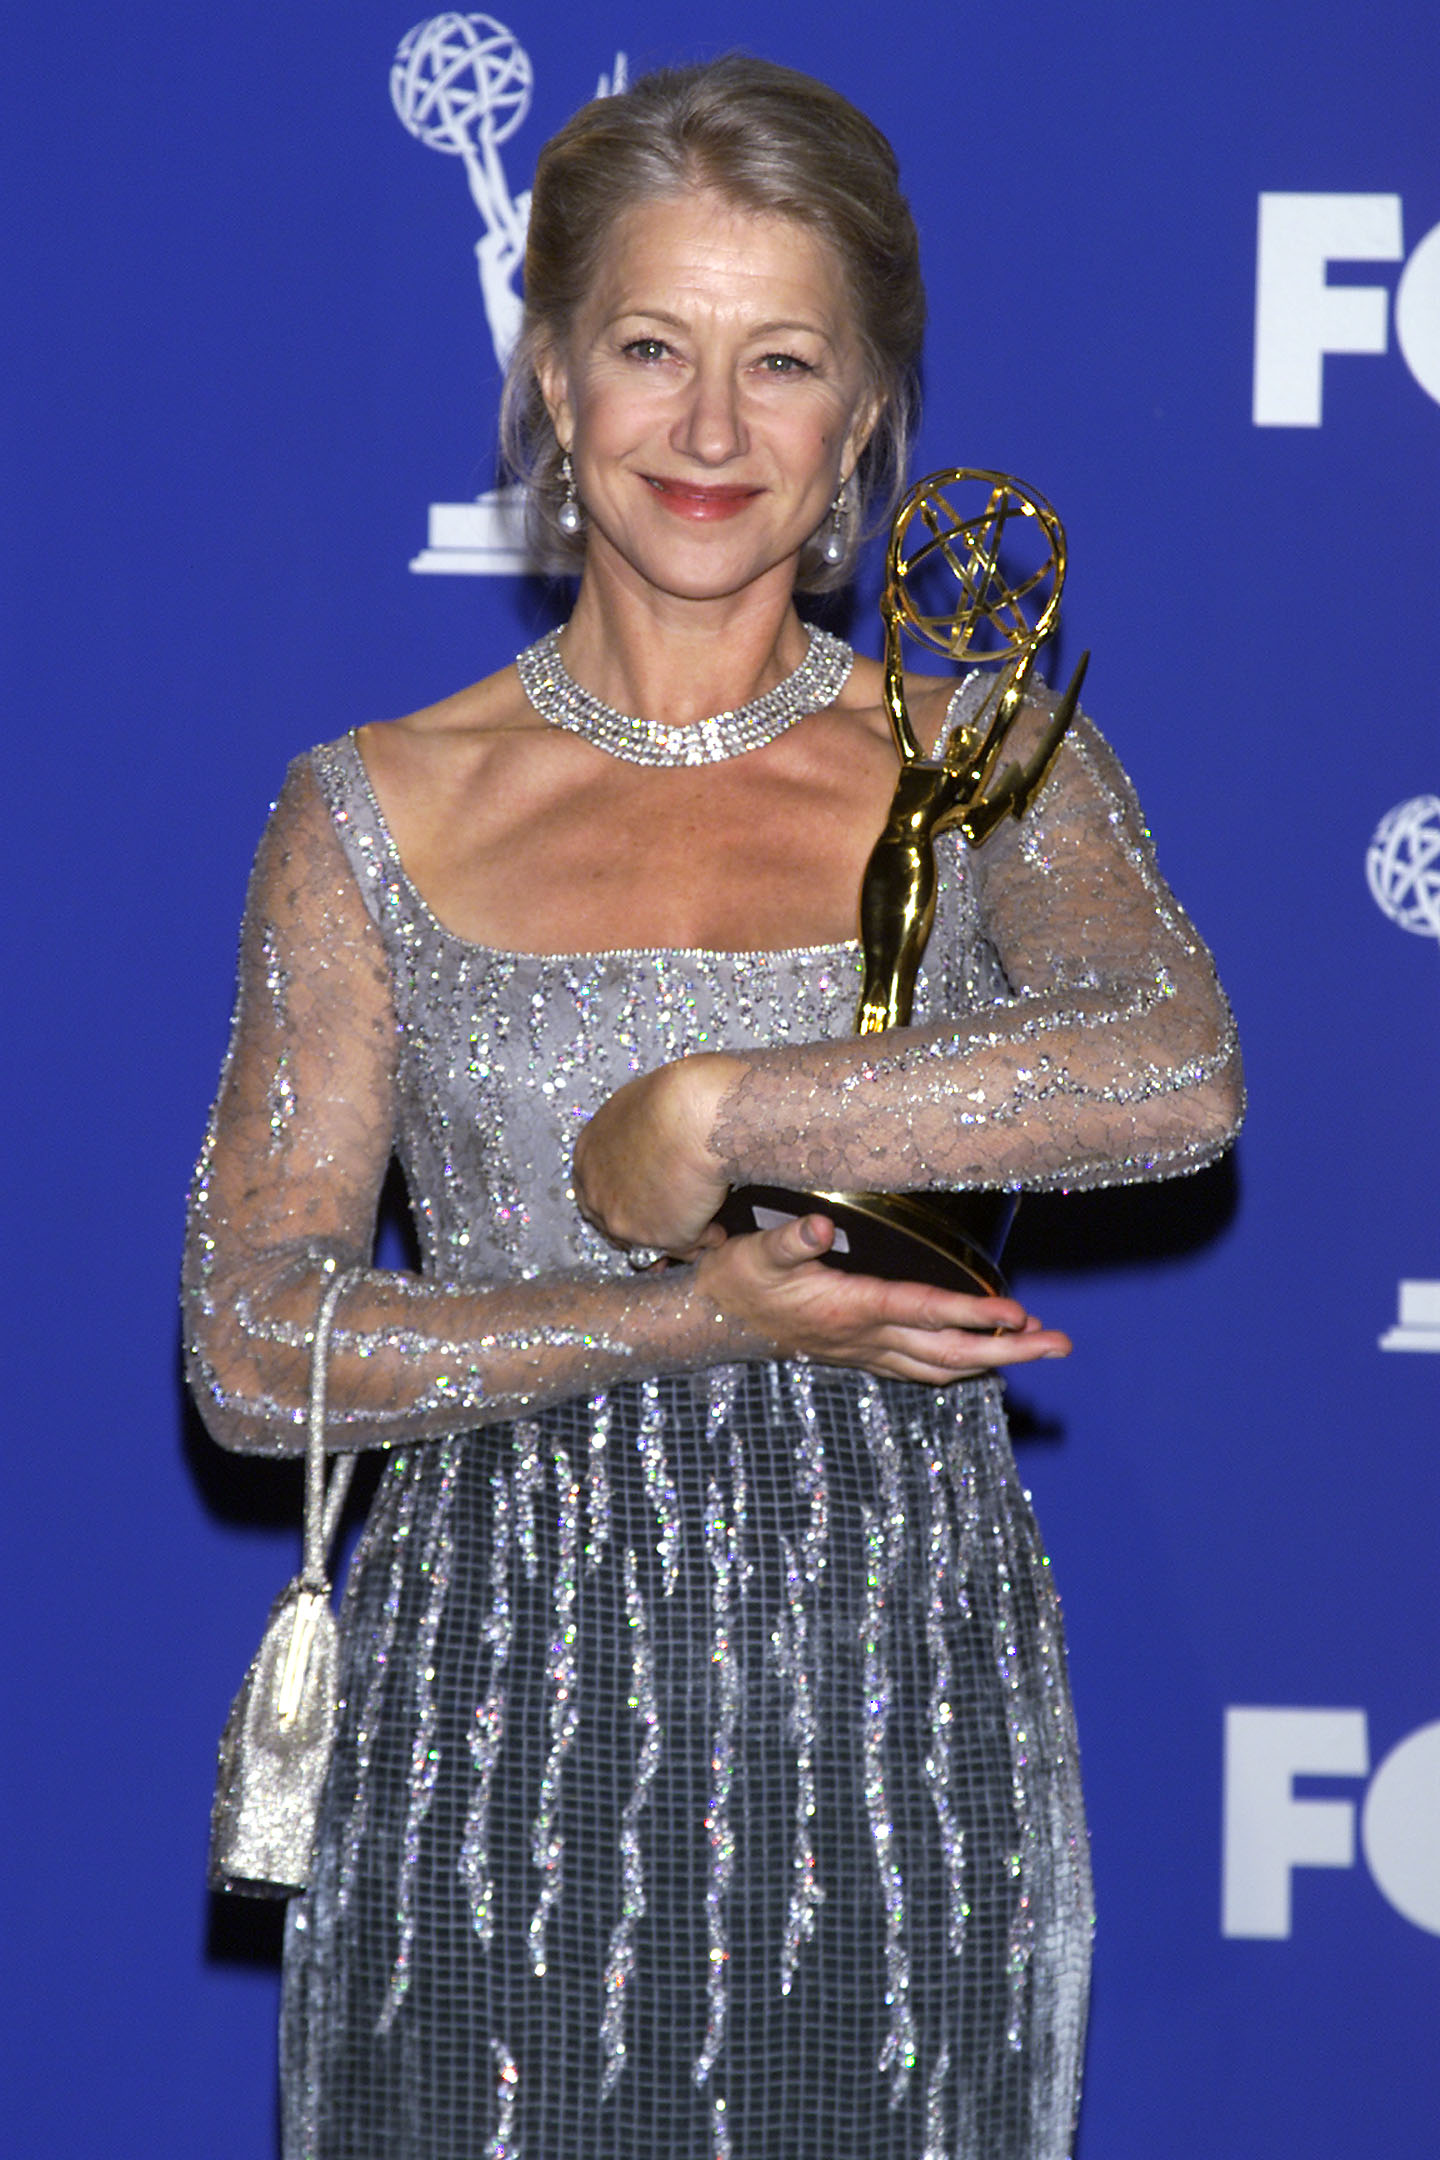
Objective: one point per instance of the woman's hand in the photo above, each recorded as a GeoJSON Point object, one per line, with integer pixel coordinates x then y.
{"type": "Point", "coordinates": [776, 1283]}
{"type": "Point", "coordinates": [644, 1171]}
{"type": "Point", "coordinates": [645, 1175]}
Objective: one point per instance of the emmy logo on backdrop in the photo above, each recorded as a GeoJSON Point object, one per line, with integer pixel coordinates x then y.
{"type": "Point", "coordinates": [1402, 864]}
{"type": "Point", "coordinates": [462, 84]}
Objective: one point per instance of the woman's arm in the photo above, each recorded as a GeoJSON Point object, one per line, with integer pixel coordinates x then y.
{"type": "Point", "coordinates": [287, 1187]}
{"type": "Point", "coordinates": [1115, 1060]}
{"type": "Point", "coordinates": [286, 1193]}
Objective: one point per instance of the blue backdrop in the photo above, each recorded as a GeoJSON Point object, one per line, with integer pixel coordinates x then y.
{"type": "Point", "coordinates": [246, 351]}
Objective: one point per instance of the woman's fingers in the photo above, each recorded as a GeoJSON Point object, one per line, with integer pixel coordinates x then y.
{"type": "Point", "coordinates": [907, 1306]}
{"type": "Point", "coordinates": [792, 1244]}
{"type": "Point", "coordinates": [911, 1331]}
{"type": "Point", "coordinates": [938, 1358]}
{"type": "Point", "coordinates": [643, 1170]}
{"type": "Point", "coordinates": [939, 1355]}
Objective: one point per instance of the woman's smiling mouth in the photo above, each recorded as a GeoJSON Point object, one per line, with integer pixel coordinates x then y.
{"type": "Point", "coordinates": [690, 499]}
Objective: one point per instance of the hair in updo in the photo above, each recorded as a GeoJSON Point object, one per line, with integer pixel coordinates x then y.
{"type": "Point", "coordinates": [770, 141]}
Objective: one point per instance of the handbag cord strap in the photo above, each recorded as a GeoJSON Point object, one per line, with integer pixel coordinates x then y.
{"type": "Point", "coordinates": [322, 1508]}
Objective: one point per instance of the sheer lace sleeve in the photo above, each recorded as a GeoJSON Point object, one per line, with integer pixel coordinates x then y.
{"type": "Point", "coordinates": [286, 1193]}
{"type": "Point", "coordinates": [1115, 1059]}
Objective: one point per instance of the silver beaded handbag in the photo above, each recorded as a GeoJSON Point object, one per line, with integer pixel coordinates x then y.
{"type": "Point", "coordinates": [275, 1749]}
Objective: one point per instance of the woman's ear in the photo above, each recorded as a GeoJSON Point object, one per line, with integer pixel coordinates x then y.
{"type": "Point", "coordinates": [554, 380]}
{"type": "Point", "coordinates": [861, 428]}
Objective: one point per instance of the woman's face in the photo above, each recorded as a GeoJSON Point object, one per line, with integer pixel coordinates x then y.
{"type": "Point", "coordinates": [712, 394]}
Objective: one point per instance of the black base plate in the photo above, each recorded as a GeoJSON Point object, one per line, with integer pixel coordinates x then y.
{"type": "Point", "coordinates": [952, 1240]}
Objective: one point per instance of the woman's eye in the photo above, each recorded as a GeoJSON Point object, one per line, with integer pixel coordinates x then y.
{"type": "Point", "coordinates": [646, 348]}
{"type": "Point", "coordinates": [784, 363]}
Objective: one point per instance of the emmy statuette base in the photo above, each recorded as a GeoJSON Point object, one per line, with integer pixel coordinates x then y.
{"type": "Point", "coordinates": [951, 1240]}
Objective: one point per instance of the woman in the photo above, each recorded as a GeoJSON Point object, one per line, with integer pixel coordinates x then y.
{"type": "Point", "coordinates": [706, 1781]}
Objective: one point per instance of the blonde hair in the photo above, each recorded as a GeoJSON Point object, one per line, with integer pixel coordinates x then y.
{"type": "Point", "coordinates": [770, 141]}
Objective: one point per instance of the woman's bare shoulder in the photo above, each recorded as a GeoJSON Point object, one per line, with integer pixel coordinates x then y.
{"type": "Point", "coordinates": [447, 740]}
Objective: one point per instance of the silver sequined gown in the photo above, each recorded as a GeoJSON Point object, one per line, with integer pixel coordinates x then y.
{"type": "Point", "coordinates": [706, 1781]}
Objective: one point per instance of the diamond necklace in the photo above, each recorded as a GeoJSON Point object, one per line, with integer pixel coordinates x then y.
{"type": "Point", "coordinates": [558, 698]}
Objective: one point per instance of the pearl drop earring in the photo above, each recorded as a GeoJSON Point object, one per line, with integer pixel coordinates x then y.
{"type": "Point", "coordinates": [569, 517]}
{"type": "Point", "coordinates": [832, 547]}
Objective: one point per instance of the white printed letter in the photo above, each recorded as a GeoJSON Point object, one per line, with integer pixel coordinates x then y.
{"type": "Point", "coordinates": [1267, 1830]}
{"type": "Point", "coordinates": [1417, 313]}
{"type": "Point", "coordinates": [1298, 317]}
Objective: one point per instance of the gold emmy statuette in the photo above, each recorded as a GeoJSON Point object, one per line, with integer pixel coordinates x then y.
{"type": "Point", "coordinates": [1003, 547]}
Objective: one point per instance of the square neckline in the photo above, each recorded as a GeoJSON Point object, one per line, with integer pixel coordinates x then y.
{"type": "Point", "coordinates": [843, 949]}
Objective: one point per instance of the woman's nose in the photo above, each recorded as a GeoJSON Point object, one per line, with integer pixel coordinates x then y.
{"type": "Point", "coordinates": [710, 426]}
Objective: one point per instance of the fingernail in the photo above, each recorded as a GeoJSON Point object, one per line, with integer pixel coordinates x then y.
{"type": "Point", "coordinates": [809, 1235]}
